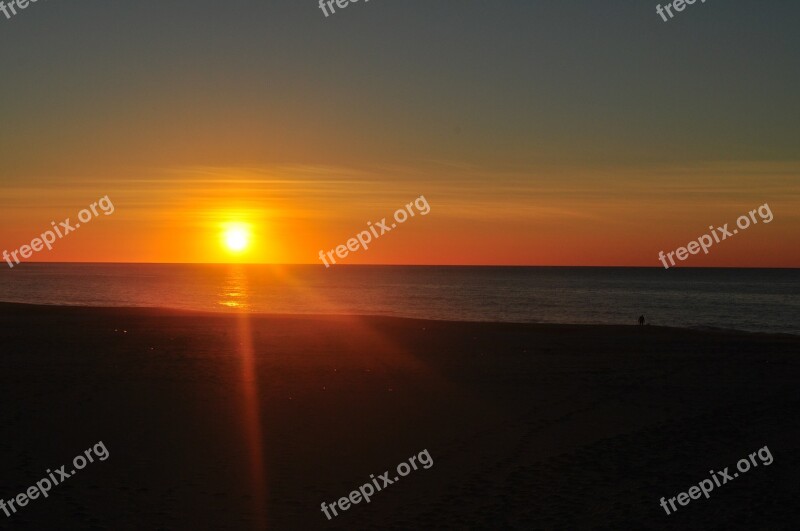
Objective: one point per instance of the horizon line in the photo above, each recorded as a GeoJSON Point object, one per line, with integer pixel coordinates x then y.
{"type": "Point", "coordinates": [406, 265]}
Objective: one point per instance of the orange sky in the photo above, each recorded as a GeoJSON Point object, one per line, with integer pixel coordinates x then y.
{"type": "Point", "coordinates": [538, 135]}
{"type": "Point", "coordinates": [543, 216]}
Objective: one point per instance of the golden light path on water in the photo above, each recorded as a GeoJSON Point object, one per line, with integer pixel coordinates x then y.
{"type": "Point", "coordinates": [236, 296]}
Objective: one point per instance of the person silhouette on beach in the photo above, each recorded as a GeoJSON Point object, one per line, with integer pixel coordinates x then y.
{"type": "Point", "coordinates": [641, 320]}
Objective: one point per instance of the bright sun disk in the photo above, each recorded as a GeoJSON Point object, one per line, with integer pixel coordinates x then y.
{"type": "Point", "coordinates": [237, 237]}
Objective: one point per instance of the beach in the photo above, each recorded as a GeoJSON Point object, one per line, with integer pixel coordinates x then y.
{"type": "Point", "coordinates": [252, 421]}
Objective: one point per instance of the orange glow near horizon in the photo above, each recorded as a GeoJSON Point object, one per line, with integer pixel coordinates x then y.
{"type": "Point", "coordinates": [549, 216]}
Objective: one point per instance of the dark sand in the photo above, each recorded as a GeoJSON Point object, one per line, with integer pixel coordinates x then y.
{"type": "Point", "coordinates": [529, 426]}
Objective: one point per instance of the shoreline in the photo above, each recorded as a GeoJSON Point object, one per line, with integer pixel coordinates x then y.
{"type": "Point", "coordinates": [208, 313]}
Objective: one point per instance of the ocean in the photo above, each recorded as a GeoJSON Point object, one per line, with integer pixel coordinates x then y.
{"type": "Point", "coordinates": [758, 300]}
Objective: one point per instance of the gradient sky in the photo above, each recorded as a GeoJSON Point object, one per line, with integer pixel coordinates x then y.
{"type": "Point", "coordinates": [575, 132]}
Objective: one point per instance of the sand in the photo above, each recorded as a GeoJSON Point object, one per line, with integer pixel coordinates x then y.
{"type": "Point", "coordinates": [251, 422]}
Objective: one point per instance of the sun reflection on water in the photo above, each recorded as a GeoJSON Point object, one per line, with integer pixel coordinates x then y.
{"type": "Point", "coordinates": [234, 292]}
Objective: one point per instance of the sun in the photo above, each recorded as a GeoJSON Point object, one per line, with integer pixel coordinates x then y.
{"type": "Point", "coordinates": [236, 237]}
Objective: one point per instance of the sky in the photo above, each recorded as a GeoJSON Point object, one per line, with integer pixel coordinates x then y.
{"type": "Point", "coordinates": [540, 132]}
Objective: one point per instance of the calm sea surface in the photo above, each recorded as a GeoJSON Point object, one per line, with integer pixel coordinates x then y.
{"type": "Point", "coordinates": [745, 299]}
